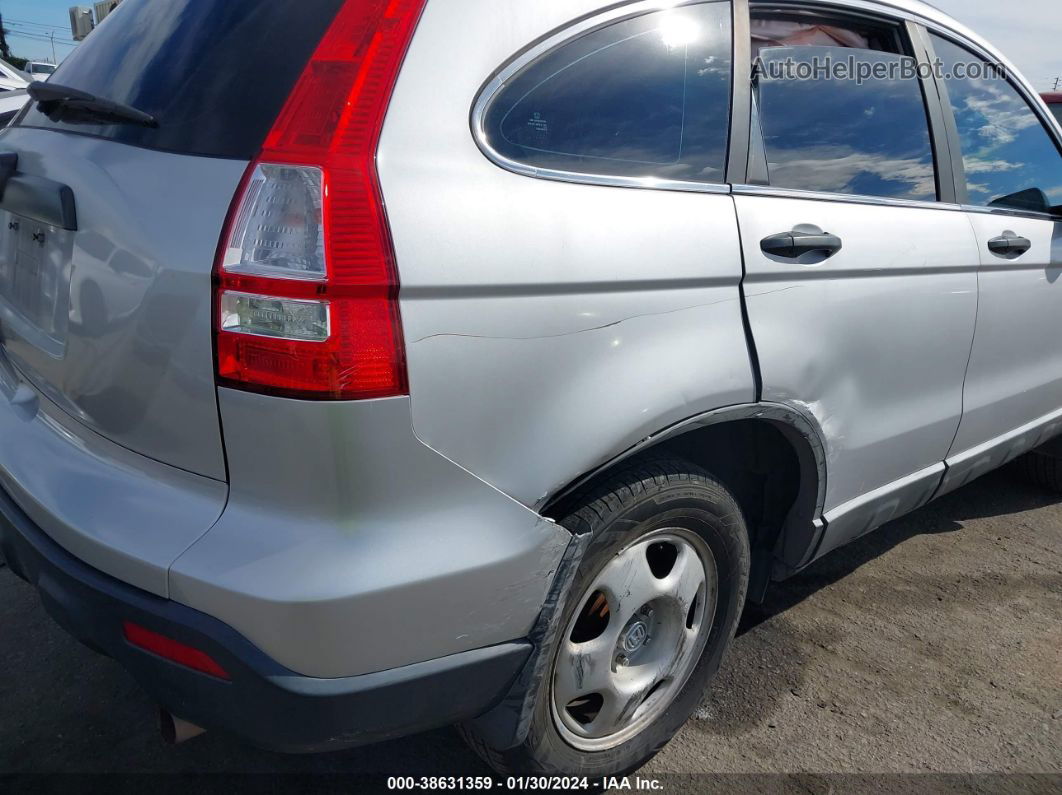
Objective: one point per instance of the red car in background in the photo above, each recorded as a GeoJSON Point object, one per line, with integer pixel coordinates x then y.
{"type": "Point", "coordinates": [1054, 102]}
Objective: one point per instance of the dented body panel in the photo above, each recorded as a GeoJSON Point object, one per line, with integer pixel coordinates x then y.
{"type": "Point", "coordinates": [551, 329]}
{"type": "Point", "coordinates": [549, 326]}
{"type": "Point", "coordinates": [348, 547]}
{"type": "Point", "coordinates": [873, 342]}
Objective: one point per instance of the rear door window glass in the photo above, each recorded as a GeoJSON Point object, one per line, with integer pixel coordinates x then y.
{"type": "Point", "coordinates": [644, 97]}
{"type": "Point", "coordinates": [841, 110]}
{"type": "Point", "coordinates": [1011, 160]}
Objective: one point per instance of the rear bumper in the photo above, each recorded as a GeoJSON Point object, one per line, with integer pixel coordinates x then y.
{"type": "Point", "coordinates": [264, 702]}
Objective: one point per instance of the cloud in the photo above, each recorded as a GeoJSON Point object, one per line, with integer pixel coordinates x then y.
{"type": "Point", "coordinates": [1029, 37]}
{"type": "Point", "coordinates": [976, 165]}
{"type": "Point", "coordinates": [828, 168]}
{"type": "Point", "coordinates": [1004, 114]}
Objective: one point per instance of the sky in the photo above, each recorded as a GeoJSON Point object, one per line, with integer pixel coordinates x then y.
{"type": "Point", "coordinates": [30, 22]}
{"type": "Point", "coordinates": [1031, 36]}
{"type": "Point", "coordinates": [1028, 32]}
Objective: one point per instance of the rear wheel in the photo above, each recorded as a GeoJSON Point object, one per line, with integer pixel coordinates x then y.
{"type": "Point", "coordinates": [1043, 469]}
{"type": "Point", "coordinates": [652, 609]}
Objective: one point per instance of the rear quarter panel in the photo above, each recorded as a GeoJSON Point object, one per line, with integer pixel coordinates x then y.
{"type": "Point", "coordinates": [549, 326]}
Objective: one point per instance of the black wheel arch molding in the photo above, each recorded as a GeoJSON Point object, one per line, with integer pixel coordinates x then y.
{"type": "Point", "coordinates": [801, 532]}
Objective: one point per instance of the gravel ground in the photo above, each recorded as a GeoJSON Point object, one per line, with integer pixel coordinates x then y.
{"type": "Point", "coordinates": [932, 647]}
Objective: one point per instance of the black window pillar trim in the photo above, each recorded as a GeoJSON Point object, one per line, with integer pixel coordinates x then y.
{"type": "Point", "coordinates": [945, 129]}
{"type": "Point", "coordinates": [740, 96]}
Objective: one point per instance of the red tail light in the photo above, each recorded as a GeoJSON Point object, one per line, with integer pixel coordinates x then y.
{"type": "Point", "coordinates": [172, 650]}
{"type": "Point", "coordinates": [307, 287]}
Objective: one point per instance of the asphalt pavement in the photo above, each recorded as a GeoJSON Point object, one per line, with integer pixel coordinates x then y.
{"type": "Point", "coordinates": [933, 646]}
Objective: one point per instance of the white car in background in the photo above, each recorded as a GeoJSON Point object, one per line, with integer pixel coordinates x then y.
{"type": "Point", "coordinates": [12, 79]}
{"type": "Point", "coordinates": [39, 70]}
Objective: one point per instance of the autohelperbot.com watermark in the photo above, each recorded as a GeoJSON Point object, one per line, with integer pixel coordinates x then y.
{"type": "Point", "coordinates": [863, 70]}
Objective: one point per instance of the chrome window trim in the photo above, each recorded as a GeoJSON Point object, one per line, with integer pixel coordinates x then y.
{"type": "Point", "coordinates": [872, 12]}
{"type": "Point", "coordinates": [877, 9]}
{"type": "Point", "coordinates": [841, 198]}
{"type": "Point", "coordinates": [566, 34]}
{"type": "Point", "coordinates": [1011, 213]}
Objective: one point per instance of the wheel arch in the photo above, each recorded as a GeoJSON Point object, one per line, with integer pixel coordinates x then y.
{"type": "Point", "coordinates": [771, 456]}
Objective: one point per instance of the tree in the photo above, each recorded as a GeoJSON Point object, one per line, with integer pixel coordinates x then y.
{"type": "Point", "coordinates": [5, 51]}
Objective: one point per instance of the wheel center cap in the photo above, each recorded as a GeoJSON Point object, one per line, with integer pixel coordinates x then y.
{"type": "Point", "coordinates": [635, 636]}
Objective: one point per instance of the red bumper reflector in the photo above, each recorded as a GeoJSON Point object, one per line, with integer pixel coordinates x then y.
{"type": "Point", "coordinates": [171, 650]}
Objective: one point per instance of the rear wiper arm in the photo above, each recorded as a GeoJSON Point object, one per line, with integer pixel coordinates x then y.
{"type": "Point", "coordinates": [60, 103]}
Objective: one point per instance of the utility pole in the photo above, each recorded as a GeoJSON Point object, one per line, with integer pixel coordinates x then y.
{"type": "Point", "coordinates": [1058, 82]}
{"type": "Point", "coordinates": [52, 37]}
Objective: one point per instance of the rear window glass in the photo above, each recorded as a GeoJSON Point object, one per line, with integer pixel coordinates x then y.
{"type": "Point", "coordinates": [644, 97]}
{"type": "Point", "coordinates": [215, 73]}
{"type": "Point", "coordinates": [1057, 110]}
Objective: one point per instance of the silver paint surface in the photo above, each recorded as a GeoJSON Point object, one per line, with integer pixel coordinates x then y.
{"type": "Point", "coordinates": [873, 342]}
{"type": "Point", "coordinates": [549, 326]}
{"type": "Point", "coordinates": [136, 362]}
{"type": "Point", "coordinates": [1015, 374]}
{"type": "Point", "coordinates": [348, 547]}
{"type": "Point", "coordinates": [119, 512]}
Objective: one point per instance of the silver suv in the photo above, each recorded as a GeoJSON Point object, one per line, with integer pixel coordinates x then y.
{"type": "Point", "coordinates": [476, 360]}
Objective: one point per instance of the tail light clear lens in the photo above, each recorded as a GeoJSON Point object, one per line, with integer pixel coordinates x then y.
{"type": "Point", "coordinates": [268, 316]}
{"type": "Point", "coordinates": [307, 287]}
{"type": "Point", "coordinates": [279, 229]}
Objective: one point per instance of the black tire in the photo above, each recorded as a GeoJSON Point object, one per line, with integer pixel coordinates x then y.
{"type": "Point", "coordinates": [1042, 469]}
{"type": "Point", "coordinates": [634, 502]}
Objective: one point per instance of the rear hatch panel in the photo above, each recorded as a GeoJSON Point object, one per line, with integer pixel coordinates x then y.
{"type": "Point", "coordinates": [112, 322]}
{"type": "Point", "coordinates": [109, 231]}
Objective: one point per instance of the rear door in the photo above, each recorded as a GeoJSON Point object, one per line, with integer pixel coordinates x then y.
{"type": "Point", "coordinates": [1011, 171]}
{"type": "Point", "coordinates": [861, 282]}
{"type": "Point", "coordinates": [108, 231]}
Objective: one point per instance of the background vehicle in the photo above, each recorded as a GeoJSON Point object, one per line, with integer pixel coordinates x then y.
{"type": "Point", "coordinates": [518, 366]}
{"type": "Point", "coordinates": [1054, 102]}
{"type": "Point", "coordinates": [39, 70]}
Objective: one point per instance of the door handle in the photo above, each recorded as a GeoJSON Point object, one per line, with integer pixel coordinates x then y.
{"type": "Point", "coordinates": [801, 241]}
{"type": "Point", "coordinates": [1009, 245]}
{"type": "Point", "coordinates": [40, 199]}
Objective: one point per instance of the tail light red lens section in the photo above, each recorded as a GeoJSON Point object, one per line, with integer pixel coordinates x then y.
{"type": "Point", "coordinates": [172, 650]}
{"type": "Point", "coordinates": [307, 286]}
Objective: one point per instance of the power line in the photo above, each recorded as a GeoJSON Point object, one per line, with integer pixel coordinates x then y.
{"type": "Point", "coordinates": [24, 32]}
{"type": "Point", "coordinates": [36, 24]}
{"type": "Point", "coordinates": [45, 39]}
